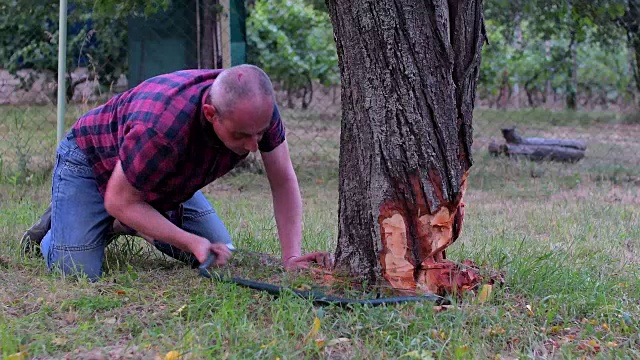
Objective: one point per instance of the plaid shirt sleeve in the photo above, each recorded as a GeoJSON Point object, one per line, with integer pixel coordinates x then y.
{"type": "Point", "coordinates": [146, 157]}
{"type": "Point", "coordinates": [275, 135]}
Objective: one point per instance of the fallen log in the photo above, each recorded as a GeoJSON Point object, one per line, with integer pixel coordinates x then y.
{"type": "Point", "coordinates": [538, 149]}
{"type": "Point", "coordinates": [511, 137]}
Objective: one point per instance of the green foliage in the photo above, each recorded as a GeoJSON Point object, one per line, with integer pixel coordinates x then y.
{"type": "Point", "coordinates": [294, 43]}
{"type": "Point", "coordinates": [318, 4]}
{"type": "Point", "coordinates": [132, 7]}
{"type": "Point", "coordinates": [96, 38]}
{"type": "Point", "coordinates": [542, 54]}
{"type": "Point", "coordinates": [26, 22]}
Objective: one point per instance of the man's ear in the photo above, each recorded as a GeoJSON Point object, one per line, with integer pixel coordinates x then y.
{"type": "Point", "coordinates": [210, 112]}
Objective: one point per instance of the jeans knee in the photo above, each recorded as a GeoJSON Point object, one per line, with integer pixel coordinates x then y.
{"type": "Point", "coordinates": [76, 261]}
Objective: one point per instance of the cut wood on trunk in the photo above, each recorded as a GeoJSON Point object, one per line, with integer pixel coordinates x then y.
{"type": "Point", "coordinates": [538, 149]}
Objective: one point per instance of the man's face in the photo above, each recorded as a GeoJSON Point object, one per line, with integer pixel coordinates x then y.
{"type": "Point", "coordinates": [241, 128]}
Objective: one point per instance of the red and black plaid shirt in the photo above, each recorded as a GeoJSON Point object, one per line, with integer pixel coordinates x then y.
{"type": "Point", "coordinates": [158, 131]}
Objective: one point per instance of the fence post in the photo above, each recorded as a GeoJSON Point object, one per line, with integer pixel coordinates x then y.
{"type": "Point", "coordinates": [62, 62]}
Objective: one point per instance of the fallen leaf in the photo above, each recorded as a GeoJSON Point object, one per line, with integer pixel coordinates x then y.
{"type": "Point", "coordinates": [485, 293]}
{"type": "Point", "coordinates": [592, 345]}
{"type": "Point", "coordinates": [272, 342]}
{"type": "Point", "coordinates": [110, 321]}
{"type": "Point", "coordinates": [612, 344]}
{"type": "Point", "coordinates": [304, 287]}
{"type": "Point", "coordinates": [529, 310]}
{"type": "Point", "coordinates": [121, 292]}
{"type": "Point", "coordinates": [70, 318]}
{"type": "Point", "coordinates": [334, 342]}
{"type": "Point", "coordinates": [59, 341]}
{"type": "Point", "coordinates": [418, 354]}
{"type": "Point", "coordinates": [498, 330]}
{"type": "Point", "coordinates": [177, 312]}
{"type": "Point", "coordinates": [319, 342]}
{"type": "Point", "coordinates": [18, 356]}
{"type": "Point", "coordinates": [605, 327]}
{"type": "Point", "coordinates": [172, 355]}
{"type": "Point", "coordinates": [462, 350]}
{"type": "Point", "coordinates": [315, 328]}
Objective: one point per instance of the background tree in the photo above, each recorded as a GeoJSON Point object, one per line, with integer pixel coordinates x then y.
{"type": "Point", "coordinates": [409, 72]}
{"type": "Point", "coordinates": [630, 22]}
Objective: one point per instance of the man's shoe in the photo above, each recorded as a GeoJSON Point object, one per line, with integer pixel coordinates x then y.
{"type": "Point", "coordinates": [30, 242]}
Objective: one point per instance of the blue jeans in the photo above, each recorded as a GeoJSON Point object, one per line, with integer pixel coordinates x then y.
{"type": "Point", "coordinates": [80, 225]}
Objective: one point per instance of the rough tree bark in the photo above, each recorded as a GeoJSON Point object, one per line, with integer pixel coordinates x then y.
{"type": "Point", "coordinates": [408, 71]}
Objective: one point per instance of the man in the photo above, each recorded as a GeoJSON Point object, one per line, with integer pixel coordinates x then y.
{"type": "Point", "coordinates": [137, 163]}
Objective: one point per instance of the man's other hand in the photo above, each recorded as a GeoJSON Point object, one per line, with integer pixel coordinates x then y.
{"type": "Point", "coordinates": [324, 259]}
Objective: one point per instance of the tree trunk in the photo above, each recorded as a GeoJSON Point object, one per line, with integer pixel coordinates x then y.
{"type": "Point", "coordinates": [547, 85]}
{"type": "Point", "coordinates": [409, 72]}
{"type": "Point", "coordinates": [517, 45]}
{"type": "Point", "coordinates": [572, 81]}
{"type": "Point", "coordinates": [210, 47]}
{"type": "Point", "coordinates": [637, 68]}
{"type": "Point", "coordinates": [635, 50]}
{"type": "Point", "coordinates": [631, 23]}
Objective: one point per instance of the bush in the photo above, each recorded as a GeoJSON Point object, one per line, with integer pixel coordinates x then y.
{"type": "Point", "coordinates": [94, 40]}
{"type": "Point", "coordinates": [293, 42]}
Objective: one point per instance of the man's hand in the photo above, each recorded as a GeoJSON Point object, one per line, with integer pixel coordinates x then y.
{"type": "Point", "coordinates": [201, 248]}
{"type": "Point", "coordinates": [324, 259]}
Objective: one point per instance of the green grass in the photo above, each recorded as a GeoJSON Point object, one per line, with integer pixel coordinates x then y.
{"type": "Point", "coordinates": [567, 238]}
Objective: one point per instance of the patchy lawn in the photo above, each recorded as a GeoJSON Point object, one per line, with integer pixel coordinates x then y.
{"type": "Point", "coordinates": [567, 238]}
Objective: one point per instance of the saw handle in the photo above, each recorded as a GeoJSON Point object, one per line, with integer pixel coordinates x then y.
{"type": "Point", "coordinates": [206, 264]}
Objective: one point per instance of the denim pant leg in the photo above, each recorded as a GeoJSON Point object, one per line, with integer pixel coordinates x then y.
{"type": "Point", "coordinates": [79, 222]}
{"type": "Point", "coordinates": [201, 219]}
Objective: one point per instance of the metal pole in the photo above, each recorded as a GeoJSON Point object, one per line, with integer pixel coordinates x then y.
{"type": "Point", "coordinates": [62, 68]}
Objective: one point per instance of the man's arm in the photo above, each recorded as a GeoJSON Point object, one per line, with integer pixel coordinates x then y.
{"type": "Point", "coordinates": [287, 206]}
{"type": "Point", "coordinates": [126, 204]}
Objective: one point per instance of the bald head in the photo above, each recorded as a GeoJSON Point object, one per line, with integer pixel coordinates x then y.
{"type": "Point", "coordinates": [239, 84]}
{"type": "Point", "coordinates": [240, 106]}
